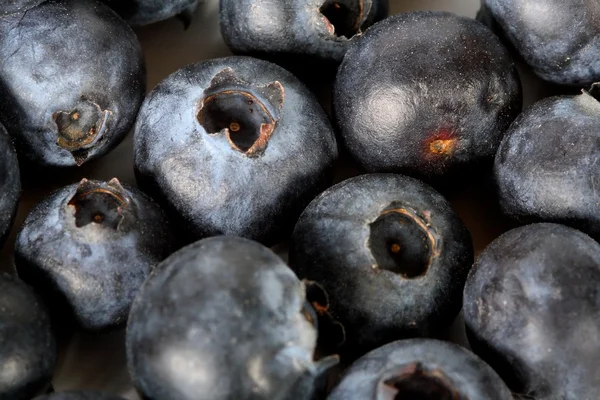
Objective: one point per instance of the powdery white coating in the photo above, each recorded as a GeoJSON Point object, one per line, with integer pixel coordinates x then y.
{"type": "Point", "coordinates": [548, 165]}
{"type": "Point", "coordinates": [221, 319]}
{"type": "Point", "coordinates": [558, 39]}
{"type": "Point", "coordinates": [53, 56]}
{"type": "Point", "coordinates": [468, 375]}
{"type": "Point", "coordinates": [95, 269]}
{"type": "Point", "coordinates": [27, 345]}
{"type": "Point", "coordinates": [531, 307]}
{"type": "Point", "coordinates": [15, 6]}
{"type": "Point", "coordinates": [216, 189]}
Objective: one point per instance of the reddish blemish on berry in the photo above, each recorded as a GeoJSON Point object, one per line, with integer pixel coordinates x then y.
{"type": "Point", "coordinates": [441, 143]}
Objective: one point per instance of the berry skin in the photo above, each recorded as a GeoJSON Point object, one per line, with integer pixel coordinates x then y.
{"type": "Point", "coordinates": [70, 91]}
{"type": "Point", "coordinates": [17, 6]}
{"type": "Point", "coordinates": [390, 254]}
{"type": "Point", "coordinates": [88, 247]}
{"type": "Point", "coordinates": [10, 184]}
{"type": "Point", "coordinates": [299, 29]}
{"type": "Point", "coordinates": [422, 369]}
{"type": "Point", "coordinates": [234, 146]}
{"type": "Point", "coordinates": [27, 344]}
{"type": "Point", "coordinates": [547, 166]}
{"type": "Point", "coordinates": [557, 39]}
{"type": "Point", "coordinates": [532, 311]}
{"type": "Point", "coordinates": [425, 93]}
{"type": "Point", "coordinates": [223, 318]}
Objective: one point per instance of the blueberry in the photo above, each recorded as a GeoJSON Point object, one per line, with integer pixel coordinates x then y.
{"type": "Point", "coordinates": [27, 344]}
{"type": "Point", "coordinates": [319, 29]}
{"type": "Point", "coordinates": [422, 369]}
{"type": "Point", "coordinates": [389, 252]}
{"type": "Point", "coordinates": [234, 146]}
{"type": "Point", "coordinates": [424, 93]}
{"type": "Point", "coordinates": [547, 167]}
{"type": "Point", "coordinates": [79, 395]}
{"type": "Point", "coordinates": [145, 12]}
{"type": "Point", "coordinates": [558, 39]}
{"type": "Point", "coordinates": [88, 248]}
{"type": "Point", "coordinates": [532, 311]}
{"type": "Point", "coordinates": [10, 184]}
{"type": "Point", "coordinates": [72, 79]}
{"type": "Point", "coordinates": [223, 318]}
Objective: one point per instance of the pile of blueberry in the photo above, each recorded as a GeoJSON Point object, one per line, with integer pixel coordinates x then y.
{"type": "Point", "coordinates": [235, 154]}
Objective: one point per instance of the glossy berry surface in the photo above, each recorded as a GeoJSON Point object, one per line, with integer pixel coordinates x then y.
{"type": "Point", "coordinates": [79, 395]}
{"type": "Point", "coordinates": [531, 308]}
{"type": "Point", "coordinates": [234, 146]}
{"type": "Point", "coordinates": [422, 369]}
{"type": "Point", "coordinates": [425, 93]}
{"type": "Point", "coordinates": [223, 318]}
{"type": "Point", "coordinates": [547, 167]}
{"type": "Point", "coordinates": [558, 39]}
{"type": "Point", "coordinates": [145, 12]}
{"type": "Point", "coordinates": [10, 184]}
{"type": "Point", "coordinates": [88, 248]}
{"type": "Point", "coordinates": [27, 344]}
{"type": "Point", "coordinates": [70, 91]}
{"type": "Point", "coordinates": [319, 29]}
{"type": "Point", "coordinates": [391, 255]}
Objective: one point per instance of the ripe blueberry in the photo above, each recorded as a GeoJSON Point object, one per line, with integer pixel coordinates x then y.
{"type": "Point", "coordinates": [422, 369]}
{"type": "Point", "coordinates": [389, 252]}
{"type": "Point", "coordinates": [234, 146]}
{"type": "Point", "coordinates": [69, 90]}
{"type": "Point", "coordinates": [547, 166]}
{"type": "Point", "coordinates": [319, 29]}
{"type": "Point", "coordinates": [88, 248]}
{"type": "Point", "coordinates": [532, 311]}
{"type": "Point", "coordinates": [557, 38]}
{"type": "Point", "coordinates": [424, 93]}
{"type": "Point", "coordinates": [223, 318]}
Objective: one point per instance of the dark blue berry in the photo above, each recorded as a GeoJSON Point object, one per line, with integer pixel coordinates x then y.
{"type": "Point", "coordinates": [88, 248]}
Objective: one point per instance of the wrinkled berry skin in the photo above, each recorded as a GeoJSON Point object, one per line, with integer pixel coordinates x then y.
{"type": "Point", "coordinates": [531, 308]}
{"type": "Point", "coordinates": [234, 146]}
{"type": "Point", "coordinates": [420, 369]}
{"type": "Point", "coordinates": [145, 12]}
{"type": "Point", "coordinates": [80, 395]}
{"type": "Point", "coordinates": [424, 93]}
{"type": "Point", "coordinates": [27, 344]}
{"type": "Point", "coordinates": [88, 248]}
{"type": "Point", "coordinates": [319, 29]}
{"type": "Point", "coordinates": [558, 39]}
{"type": "Point", "coordinates": [69, 92]}
{"type": "Point", "coordinates": [391, 255]}
{"type": "Point", "coordinates": [222, 318]}
{"type": "Point", "coordinates": [547, 166]}
{"type": "Point", "coordinates": [10, 184]}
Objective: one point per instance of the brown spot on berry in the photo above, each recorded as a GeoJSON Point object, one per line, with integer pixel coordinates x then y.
{"type": "Point", "coordinates": [443, 146]}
